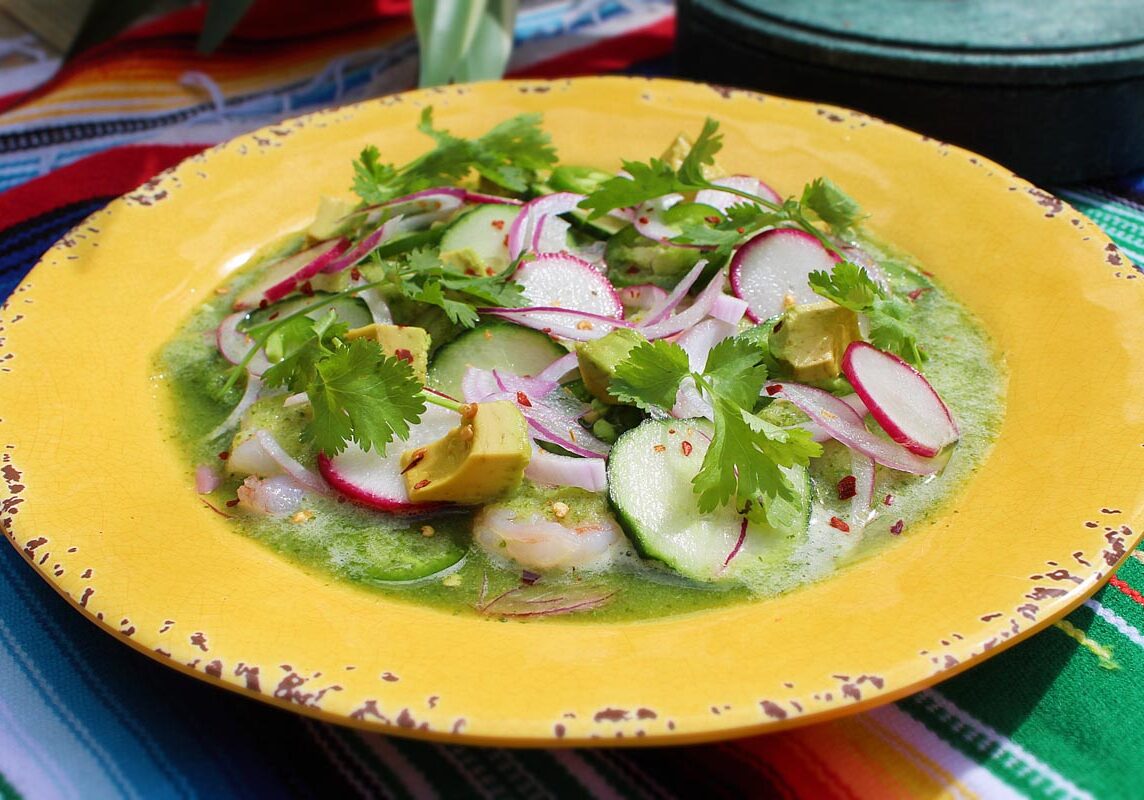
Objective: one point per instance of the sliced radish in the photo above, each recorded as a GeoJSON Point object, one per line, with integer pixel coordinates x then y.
{"type": "Point", "coordinates": [578, 326]}
{"type": "Point", "coordinates": [661, 311]}
{"type": "Point", "coordinates": [900, 399]}
{"type": "Point", "coordinates": [844, 424]}
{"type": "Point", "coordinates": [286, 275]}
{"type": "Point", "coordinates": [744, 183]}
{"type": "Point", "coordinates": [771, 271]}
{"type": "Point", "coordinates": [564, 281]}
{"type": "Point", "coordinates": [375, 480]}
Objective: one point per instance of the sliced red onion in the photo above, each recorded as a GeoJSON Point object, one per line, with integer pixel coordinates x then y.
{"type": "Point", "coordinates": [644, 297]}
{"type": "Point", "coordinates": [440, 200]}
{"type": "Point", "coordinates": [737, 548]}
{"type": "Point", "coordinates": [322, 256]}
{"type": "Point", "coordinates": [249, 395]}
{"type": "Point", "coordinates": [378, 309]}
{"type": "Point", "coordinates": [744, 183]}
{"type": "Point", "coordinates": [478, 384]}
{"type": "Point", "coordinates": [234, 344]}
{"type": "Point", "coordinates": [284, 276]}
{"type": "Point", "coordinates": [551, 235]}
{"type": "Point", "coordinates": [555, 470]}
{"type": "Point", "coordinates": [864, 474]}
{"type": "Point", "coordinates": [295, 470]}
{"type": "Point", "coordinates": [575, 325]}
{"type": "Point", "coordinates": [523, 228]}
{"type": "Point", "coordinates": [541, 601]}
{"type": "Point", "coordinates": [661, 312]}
{"type": "Point", "coordinates": [697, 342]}
{"type": "Point", "coordinates": [844, 424]}
{"type": "Point", "coordinates": [390, 228]}
{"type": "Point", "coordinates": [481, 198]}
{"type": "Point", "coordinates": [278, 495]}
{"type": "Point", "coordinates": [207, 479]}
{"type": "Point", "coordinates": [728, 309]}
{"type": "Point", "coordinates": [249, 457]}
{"type": "Point", "coordinates": [551, 422]}
{"type": "Point", "coordinates": [691, 316]}
{"type": "Point", "coordinates": [558, 369]}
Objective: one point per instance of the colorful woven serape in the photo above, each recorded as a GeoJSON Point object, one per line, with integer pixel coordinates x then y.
{"type": "Point", "coordinates": [82, 716]}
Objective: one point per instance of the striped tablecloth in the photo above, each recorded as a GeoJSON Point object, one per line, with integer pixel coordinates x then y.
{"type": "Point", "coordinates": [82, 716]}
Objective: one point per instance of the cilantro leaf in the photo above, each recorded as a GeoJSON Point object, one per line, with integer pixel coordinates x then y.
{"type": "Point", "coordinates": [851, 287]}
{"type": "Point", "coordinates": [650, 375]}
{"type": "Point", "coordinates": [701, 154]}
{"type": "Point", "coordinates": [734, 371]}
{"type": "Point", "coordinates": [832, 205]}
{"type": "Point", "coordinates": [359, 393]}
{"type": "Point", "coordinates": [459, 313]}
{"type": "Point", "coordinates": [509, 155]}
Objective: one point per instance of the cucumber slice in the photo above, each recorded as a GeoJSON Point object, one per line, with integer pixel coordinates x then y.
{"type": "Point", "coordinates": [649, 486]}
{"type": "Point", "coordinates": [478, 239]}
{"type": "Point", "coordinates": [491, 345]}
{"type": "Point", "coordinates": [350, 310]}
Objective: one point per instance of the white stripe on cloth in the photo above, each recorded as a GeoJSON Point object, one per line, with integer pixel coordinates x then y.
{"type": "Point", "coordinates": [1011, 755]}
{"type": "Point", "coordinates": [363, 777]}
{"type": "Point", "coordinates": [596, 784]}
{"type": "Point", "coordinates": [410, 776]}
{"type": "Point", "coordinates": [25, 765]}
{"type": "Point", "coordinates": [936, 757]}
{"type": "Point", "coordinates": [1115, 620]}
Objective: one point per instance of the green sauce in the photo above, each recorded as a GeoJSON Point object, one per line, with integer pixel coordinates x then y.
{"type": "Point", "coordinates": [374, 550]}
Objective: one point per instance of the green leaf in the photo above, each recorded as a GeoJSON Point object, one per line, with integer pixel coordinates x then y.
{"type": "Point", "coordinates": [701, 154]}
{"type": "Point", "coordinates": [359, 393]}
{"type": "Point", "coordinates": [445, 31]}
{"type": "Point", "coordinates": [848, 285]}
{"type": "Point", "coordinates": [374, 182]}
{"type": "Point", "coordinates": [650, 376]}
{"type": "Point", "coordinates": [890, 330]}
{"type": "Point", "coordinates": [653, 179]}
{"type": "Point", "coordinates": [459, 313]}
{"type": "Point", "coordinates": [832, 205]}
{"type": "Point", "coordinates": [734, 371]}
{"type": "Point", "coordinates": [491, 46]}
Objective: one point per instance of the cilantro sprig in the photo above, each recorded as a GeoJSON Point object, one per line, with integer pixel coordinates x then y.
{"type": "Point", "coordinates": [509, 155]}
{"type": "Point", "coordinates": [743, 464]}
{"type": "Point", "coordinates": [850, 286]}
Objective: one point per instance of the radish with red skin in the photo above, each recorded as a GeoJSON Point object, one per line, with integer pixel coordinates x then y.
{"type": "Point", "coordinates": [774, 267]}
{"type": "Point", "coordinates": [900, 399]}
{"type": "Point", "coordinates": [744, 183]}
{"type": "Point", "coordinates": [375, 480]}
{"type": "Point", "coordinates": [286, 275]}
{"type": "Point", "coordinates": [523, 229]}
{"type": "Point", "coordinates": [564, 281]}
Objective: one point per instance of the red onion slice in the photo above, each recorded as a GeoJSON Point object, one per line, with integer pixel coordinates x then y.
{"type": "Point", "coordinates": [207, 479]}
{"type": "Point", "coordinates": [480, 198]}
{"type": "Point", "coordinates": [728, 309]}
{"type": "Point", "coordinates": [691, 316]}
{"type": "Point", "coordinates": [523, 228]}
{"type": "Point", "coordinates": [661, 312]}
{"type": "Point", "coordinates": [295, 470]}
{"type": "Point", "coordinates": [844, 424]}
{"type": "Point", "coordinates": [551, 422]}
{"type": "Point", "coordinates": [644, 297]}
{"type": "Point", "coordinates": [558, 369]}
{"type": "Point", "coordinates": [589, 474]}
{"type": "Point", "coordinates": [249, 395]}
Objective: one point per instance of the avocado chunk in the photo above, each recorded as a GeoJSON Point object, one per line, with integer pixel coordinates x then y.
{"type": "Point", "coordinates": [479, 460]}
{"type": "Point", "coordinates": [400, 341]}
{"type": "Point", "coordinates": [812, 338]}
{"type": "Point", "coordinates": [599, 357]}
{"type": "Point", "coordinates": [331, 218]}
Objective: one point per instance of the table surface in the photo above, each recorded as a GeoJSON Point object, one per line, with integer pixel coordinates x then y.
{"type": "Point", "coordinates": [83, 716]}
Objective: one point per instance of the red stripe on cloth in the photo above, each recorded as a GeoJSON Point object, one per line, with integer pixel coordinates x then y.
{"type": "Point", "coordinates": [611, 55]}
{"type": "Point", "coordinates": [112, 172]}
{"type": "Point", "coordinates": [1127, 590]}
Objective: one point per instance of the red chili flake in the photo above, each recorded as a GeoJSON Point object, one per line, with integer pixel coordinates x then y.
{"type": "Point", "coordinates": [714, 220]}
{"type": "Point", "coordinates": [927, 273]}
{"type": "Point", "coordinates": [341, 499]}
{"type": "Point", "coordinates": [847, 487]}
{"type": "Point", "coordinates": [896, 528]}
{"type": "Point", "coordinates": [273, 316]}
{"type": "Point", "coordinates": [659, 448]}
{"type": "Point", "coordinates": [413, 462]}
{"type": "Point", "coordinates": [644, 220]}
{"type": "Point", "coordinates": [470, 271]}
{"type": "Point", "coordinates": [421, 484]}
{"type": "Point", "coordinates": [774, 388]}
{"type": "Point", "coordinates": [263, 303]}
{"type": "Point", "coordinates": [841, 525]}
{"type": "Point", "coordinates": [916, 293]}
{"type": "Point", "coordinates": [403, 355]}
{"type": "Point", "coordinates": [306, 289]}
{"type": "Point", "coordinates": [685, 447]}
{"type": "Point", "coordinates": [633, 270]}
{"type": "Point", "coordinates": [232, 503]}
{"type": "Point", "coordinates": [741, 230]}
{"type": "Point", "coordinates": [223, 456]}
{"type": "Point", "coordinates": [888, 500]}
{"type": "Point", "coordinates": [522, 398]}
{"type": "Point", "coordinates": [506, 240]}
{"type": "Point", "coordinates": [498, 224]}
{"type": "Point", "coordinates": [671, 431]}
{"type": "Point", "coordinates": [355, 273]}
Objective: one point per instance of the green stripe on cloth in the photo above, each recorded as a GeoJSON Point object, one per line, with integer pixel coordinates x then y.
{"type": "Point", "coordinates": [1122, 223]}
{"type": "Point", "coordinates": [7, 791]}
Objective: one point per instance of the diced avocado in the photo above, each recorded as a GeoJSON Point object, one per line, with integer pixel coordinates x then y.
{"type": "Point", "coordinates": [678, 150]}
{"type": "Point", "coordinates": [634, 259]}
{"type": "Point", "coordinates": [598, 360]}
{"type": "Point", "coordinates": [481, 459]}
{"type": "Point", "coordinates": [400, 341]}
{"type": "Point", "coordinates": [812, 339]}
{"type": "Point", "coordinates": [331, 218]}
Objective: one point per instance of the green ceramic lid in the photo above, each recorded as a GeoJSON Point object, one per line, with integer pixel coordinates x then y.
{"type": "Point", "coordinates": [1052, 88]}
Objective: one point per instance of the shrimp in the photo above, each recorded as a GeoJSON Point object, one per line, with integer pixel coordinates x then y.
{"type": "Point", "coordinates": [537, 543]}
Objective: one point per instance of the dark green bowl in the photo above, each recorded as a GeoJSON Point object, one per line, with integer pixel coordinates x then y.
{"type": "Point", "coordinates": [1052, 89]}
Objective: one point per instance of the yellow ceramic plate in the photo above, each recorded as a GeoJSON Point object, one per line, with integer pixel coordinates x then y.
{"type": "Point", "coordinates": [104, 506]}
